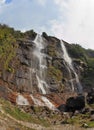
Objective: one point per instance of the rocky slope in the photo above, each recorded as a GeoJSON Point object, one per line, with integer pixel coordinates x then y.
{"type": "Point", "coordinates": [38, 71]}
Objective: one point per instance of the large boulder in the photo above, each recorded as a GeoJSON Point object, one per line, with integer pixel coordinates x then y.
{"type": "Point", "coordinates": [75, 103]}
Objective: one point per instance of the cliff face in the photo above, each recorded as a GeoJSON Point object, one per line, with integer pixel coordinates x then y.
{"type": "Point", "coordinates": [24, 79]}
{"type": "Point", "coordinates": [35, 65]}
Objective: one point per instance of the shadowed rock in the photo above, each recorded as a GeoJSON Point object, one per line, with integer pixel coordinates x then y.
{"type": "Point", "coordinates": [75, 103]}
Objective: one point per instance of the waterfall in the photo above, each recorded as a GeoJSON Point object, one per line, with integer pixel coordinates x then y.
{"type": "Point", "coordinates": [43, 101]}
{"type": "Point", "coordinates": [40, 67]}
{"type": "Point", "coordinates": [40, 85]}
{"type": "Point", "coordinates": [48, 103]}
{"type": "Point", "coordinates": [71, 69]}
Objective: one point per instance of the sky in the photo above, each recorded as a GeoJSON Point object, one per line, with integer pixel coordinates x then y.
{"type": "Point", "coordinates": [70, 20]}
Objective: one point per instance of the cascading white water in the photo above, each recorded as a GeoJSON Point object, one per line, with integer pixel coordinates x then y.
{"type": "Point", "coordinates": [41, 70]}
{"type": "Point", "coordinates": [70, 68]}
{"type": "Point", "coordinates": [37, 101]}
{"type": "Point", "coordinates": [40, 85]}
{"type": "Point", "coordinates": [43, 101]}
{"type": "Point", "coordinates": [48, 103]}
{"type": "Point", "coordinates": [70, 76]}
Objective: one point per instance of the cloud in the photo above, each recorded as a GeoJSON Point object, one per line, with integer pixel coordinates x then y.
{"type": "Point", "coordinates": [28, 14]}
{"type": "Point", "coordinates": [76, 23]}
{"type": "Point", "coordinates": [2, 1]}
{"type": "Point", "coordinates": [23, 14]}
{"type": "Point", "coordinates": [42, 2]}
{"type": "Point", "coordinates": [56, 28]}
{"type": "Point", "coordinates": [8, 1]}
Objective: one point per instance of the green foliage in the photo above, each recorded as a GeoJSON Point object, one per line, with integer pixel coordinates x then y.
{"type": "Point", "coordinates": [90, 124]}
{"type": "Point", "coordinates": [90, 69]}
{"type": "Point", "coordinates": [88, 75]}
{"type": "Point", "coordinates": [80, 119]}
{"type": "Point", "coordinates": [76, 51]}
{"type": "Point", "coordinates": [18, 114]}
{"type": "Point", "coordinates": [90, 53]}
{"type": "Point", "coordinates": [54, 73]}
{"type": "Point", "coordinates": [52, 50]}
{"type": "Point", "coordinates": [7, 46]}
{"type": "Point", "coordinates": [90, 62]}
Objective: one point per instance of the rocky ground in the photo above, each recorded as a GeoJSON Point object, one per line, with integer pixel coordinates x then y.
{"type": "Point", "coordinates": [9, 123]}
{"type": "Point", "coordinates": [15, 118]}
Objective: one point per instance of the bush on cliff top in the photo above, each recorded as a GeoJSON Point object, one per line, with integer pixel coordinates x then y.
{"type": "Point", "coordinates": [7, 46]}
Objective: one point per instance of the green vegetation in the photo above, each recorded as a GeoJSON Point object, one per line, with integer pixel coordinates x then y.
{"type": "Point", "coordinates": [52, 50]}
{"type": "Point", "coordinates": [54, 73]}
{"type": "Point", "coordinates": [91, 63]}
{"type": "Point", "coordinates": [88, 74]}
{"type": "Point", "coordinates": [8, 118]}
{"type": "Point", "coordinates": [90, 124]}
{"type": "Point", "coordinates": [80, 120]}
{"type": "Point", "coordinates": [7, 47]}
{"type": "Point", "coordinates": [19, 114]}
{"type": "Point", "coordinates": [76, 51]}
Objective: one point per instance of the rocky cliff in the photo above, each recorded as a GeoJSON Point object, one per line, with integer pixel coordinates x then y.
{"type": "Point", "coordinates": [33, 69]}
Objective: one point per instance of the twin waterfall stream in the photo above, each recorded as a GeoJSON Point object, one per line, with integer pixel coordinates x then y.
{"type": "Point", "coordinates": [42, 66]}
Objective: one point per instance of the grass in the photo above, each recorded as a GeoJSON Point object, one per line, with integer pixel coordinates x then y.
{"type": "Point", "coordinates": [80, 120]}
{"type": "Point", "coordinates": [90, 124]}
{"type": "Point", "coordinates": [18, 114]}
